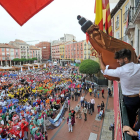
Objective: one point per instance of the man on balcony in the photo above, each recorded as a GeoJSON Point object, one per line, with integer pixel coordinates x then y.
{"type": "Point", "coordinates": [129, 74]}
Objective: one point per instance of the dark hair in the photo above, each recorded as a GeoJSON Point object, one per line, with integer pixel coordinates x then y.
{"type": "Point", "coordinates": [122, 54]}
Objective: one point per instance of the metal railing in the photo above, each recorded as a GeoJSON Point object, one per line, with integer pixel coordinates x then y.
{"type": "Point", "coordinates": [133, 10]}
{"type": "Point", "coordinates": [124, 115]}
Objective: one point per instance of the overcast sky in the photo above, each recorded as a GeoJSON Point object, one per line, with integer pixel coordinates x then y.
{"type": "Point", "coordinates": [51, 23]}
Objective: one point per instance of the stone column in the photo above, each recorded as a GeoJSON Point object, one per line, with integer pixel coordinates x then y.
{"type": "Point", "coordinates": [1, 62]}
{"type": "Point", "coordinates": [6, 62]}
{"type": "Point", "coordinates": [10, 63]}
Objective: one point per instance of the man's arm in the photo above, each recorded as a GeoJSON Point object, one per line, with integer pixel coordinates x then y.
{"type": "Point", "coordinates": [110, 72]}
{"type": "Point", "coordinates": [130, 131]}
{"type": "Point", "coordinates": [102, 66]}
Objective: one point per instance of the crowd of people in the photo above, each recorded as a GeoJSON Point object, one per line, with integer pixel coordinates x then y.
{"type": "Point", "coordinates": [29, 97]}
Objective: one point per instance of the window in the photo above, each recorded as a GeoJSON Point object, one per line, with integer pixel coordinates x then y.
{"type": "Point", "coordinates": [3, 49]}
{"type": "Point", "coordinates": [124, 29]}
{"type": "Point", "coordinates": [117, 22]}
{"type": "Point", "coordinates": [126, 7]}
{"type": "Point", "coordinates": [3, 53]}
{"type": "Point", "coordinates": [118, 35]}
{"type": "Point", "coordinates": [44, 47]}
{"type": "Point", "coordinates": [11, 50]}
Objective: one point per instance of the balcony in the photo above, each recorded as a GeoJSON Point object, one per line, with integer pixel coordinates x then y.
{"type": "Point", "coordinates": [117, 24]}
{"type": "Point", "coordinates": [134, 12]}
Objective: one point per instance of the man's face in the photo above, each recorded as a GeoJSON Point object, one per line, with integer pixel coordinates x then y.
{"type": "Point", "coordinates": [121, 61]}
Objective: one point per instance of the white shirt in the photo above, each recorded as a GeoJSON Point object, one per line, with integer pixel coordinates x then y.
{"type": "Point", "coordinates": [129, 75]}
{"type": "Point", "coordinates": [82, 98]}
{"type": "Point", "coordinates": [92, 101]}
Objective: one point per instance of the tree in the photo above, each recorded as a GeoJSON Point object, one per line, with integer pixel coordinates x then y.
{"type": "Point", "coordinates": [16, 60]}
{"type": "Point", "coordinates": [34, 58]}
{"type": "Point", "coordinates": [23, 60]}
{"type": "Point", "coordinates": [89, 66]}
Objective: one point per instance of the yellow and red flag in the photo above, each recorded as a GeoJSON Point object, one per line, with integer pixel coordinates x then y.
{"type": "Point", "coordinates": [108, 26]}
{"type": "Point", "coordinates": [99, 14]}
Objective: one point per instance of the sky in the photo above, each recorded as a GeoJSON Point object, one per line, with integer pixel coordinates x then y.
{"type": "Point", "coordinates": [51, 23]}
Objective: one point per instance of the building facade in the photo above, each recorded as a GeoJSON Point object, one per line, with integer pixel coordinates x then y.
{"type": "Point", "coordinates": [36, 53]}
{"type": "Point", "coordinates": [7, 54]}
{"type": "Point", "coordinates": [86, 50]}
{"type": "Point", "coordinates": [119, 17]}
{"type": "Point", "coordinates": [46, 50]}
{"type": "Point", "coordinates": [26, 51]}
{"type": "Point", "coordinates": [126, 16]}
{"type": "Point", "coordinates": [55, 53]}
{"type": "Point", "coordinates": [133, 29]}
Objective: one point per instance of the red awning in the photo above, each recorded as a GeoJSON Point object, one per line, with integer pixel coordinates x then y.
{"type": "Point", "coordinates": [23, 10]}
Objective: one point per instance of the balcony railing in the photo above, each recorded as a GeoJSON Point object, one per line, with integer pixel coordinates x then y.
{"type": "Point", "coordinates": [117, 24]}
{"type": "Point", "coordinates": [133, 10]}
{"type": "Point", "coordinates": [124, 115]}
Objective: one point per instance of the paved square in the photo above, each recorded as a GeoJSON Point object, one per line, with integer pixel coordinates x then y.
{"type": "Point", "coordinates": [92, 136]}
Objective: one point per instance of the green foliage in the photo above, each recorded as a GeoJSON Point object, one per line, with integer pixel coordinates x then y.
{"type": "Point", "coordinates": [23, 59]}
{"type": "Point", "coordinates": [16, 59]}
{"type": "Point", "coordinates": [77, 64]}
{"type": "Point", "coordinates": [89, 66]}
{"type": "Point", "coordinates": [34, 58]}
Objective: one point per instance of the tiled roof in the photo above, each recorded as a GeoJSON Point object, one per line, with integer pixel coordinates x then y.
{"type": "Point", "coordinates": [34, 48]}
{"type": "Point", "coordinates": [117, 7]}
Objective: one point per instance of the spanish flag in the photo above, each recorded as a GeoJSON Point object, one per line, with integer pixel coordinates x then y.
{"type": "Point", "coordinates": [108, 26]}
{"type": "Point", "coordinates": [99, 14]}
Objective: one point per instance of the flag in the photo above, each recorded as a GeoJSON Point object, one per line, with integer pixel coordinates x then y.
{"type": "Point", "coordinates": [23, 10]}
{"type": "Point", "coordinates": [108, 26]}
{"type": "Point", "coordinates": [99, 14]}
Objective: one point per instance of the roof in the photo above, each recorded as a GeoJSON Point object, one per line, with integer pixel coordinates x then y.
{"type": "Point", "coordinates": [4, 45]}
{"type": "Point", "coordinates": [117, 7]}
{"type": "Point", "coordinates": [18, 40]}
{"type": "Point", "coordinates": [34, 48]}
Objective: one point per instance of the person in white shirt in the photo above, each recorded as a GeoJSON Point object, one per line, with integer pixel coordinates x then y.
{"type": "Point", "coordinates": [129, 74]}
{"type": "Point", "coordinates": [82, 100]}
{"type": "Point", "coordinates": [92, 101]}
